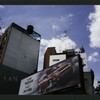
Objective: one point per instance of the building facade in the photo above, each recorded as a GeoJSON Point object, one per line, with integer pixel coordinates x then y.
{"type": "Point", "coordinates": [88, 76]}
{"type": "Point", "coordinates": [19, 53]}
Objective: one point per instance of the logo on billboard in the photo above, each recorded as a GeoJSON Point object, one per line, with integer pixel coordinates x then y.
{"type": "Point", "coordinates": [28, 85]}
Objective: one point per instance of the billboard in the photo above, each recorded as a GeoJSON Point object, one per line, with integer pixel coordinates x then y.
{"type": "Point", "coordinates": [59, 76]}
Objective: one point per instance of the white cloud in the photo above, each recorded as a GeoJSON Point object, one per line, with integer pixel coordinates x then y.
{"type": "Point", "coordinates": [61, 43]}
{"type": "Point", "coordinates": [2, 30]}
{"type": "Point", "coordinates": [97, 78]}
{"type": "Point", "coordinates": [55, 27]}
{"type": "Point", "coordinates": [95, 83]}
{"type": "Point", "coordinates": [1, 6]}
{"type": "Point", "coordinates": [70, 15]}
{"type": "Point", "coordinates": [94, 57]}
{"type": "Point", "coordinates": [54, 24]}
{"type": "Point", "coordinates": [59, 23]}
{"type": "Point", "coordinates": [44, 42]}
{"type": "Point", "coordinates": [94, 27]}
{"type": "Point", "coordinates": [77, 50]}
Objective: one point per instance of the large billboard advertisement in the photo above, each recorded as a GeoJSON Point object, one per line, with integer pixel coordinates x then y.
{"type": "Point", "coordinates": [59, 76]}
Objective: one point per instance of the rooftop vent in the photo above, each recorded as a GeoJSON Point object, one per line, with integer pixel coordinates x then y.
{"type": "Point", "coordinates": [30, 29]}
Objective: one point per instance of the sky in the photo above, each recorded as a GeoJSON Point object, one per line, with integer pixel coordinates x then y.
{"type": "Point", "coordinates": [80, 22]}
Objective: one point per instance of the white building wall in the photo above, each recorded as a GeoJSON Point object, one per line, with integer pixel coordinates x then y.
{"type": "Point", "coordinates": [22, 52]}
{"type": "Point", "coordinates": [56, 58]}
{"type": "Point", "coordinates": [84, 57]}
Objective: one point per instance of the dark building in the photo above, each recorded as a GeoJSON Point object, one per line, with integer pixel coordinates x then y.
{"type": "Point", "coordinates": [88, 76]}
{"type": "Point", "coordinates": [19, 51]}
{"type": "Point", "coordinates": [49, 51]}
{"type": "Point", "coordinates": [10, 80]}
{"type": "Point", "coordinates": [88, 81]}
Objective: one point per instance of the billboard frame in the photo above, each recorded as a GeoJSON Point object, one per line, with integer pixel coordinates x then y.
{"type": "Point", "coordinates": [80, 90]}
{"type": "Point", "coordinates": [76, 83]}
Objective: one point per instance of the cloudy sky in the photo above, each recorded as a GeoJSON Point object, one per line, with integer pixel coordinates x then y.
{"type": "Point", "coordinates": [81, 23]}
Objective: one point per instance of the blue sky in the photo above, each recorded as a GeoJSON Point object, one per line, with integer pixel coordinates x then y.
{"type": "Point", "coordinates": [51, 21]}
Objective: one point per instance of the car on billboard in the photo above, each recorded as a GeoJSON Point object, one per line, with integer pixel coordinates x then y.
{"type": "Point", "coordinates": [65, 75]}
{"type": "Point", "coordinates": [50, 80]}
